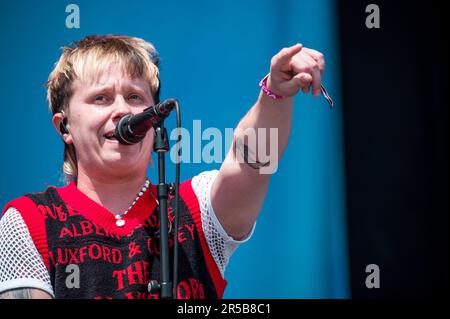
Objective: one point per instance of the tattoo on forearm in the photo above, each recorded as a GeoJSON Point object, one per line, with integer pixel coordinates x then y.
{"type": "Point", "coordinates": [16, 294]}
{"type": "Point", "coordinates": [245, 151]}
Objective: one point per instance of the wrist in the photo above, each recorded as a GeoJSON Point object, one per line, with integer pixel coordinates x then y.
{"type": "Point", "coordinates": [266, 89]}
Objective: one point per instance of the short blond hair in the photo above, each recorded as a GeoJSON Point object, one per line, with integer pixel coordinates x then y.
{"type": "Point", "coordinates": [85, 60]}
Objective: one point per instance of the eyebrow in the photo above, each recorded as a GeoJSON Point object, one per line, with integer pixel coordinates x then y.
{"type": "Point", "coordinates": [106, 87]}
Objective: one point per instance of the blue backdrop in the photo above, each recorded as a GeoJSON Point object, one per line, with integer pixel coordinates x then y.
{"type": "Point", "coordinates": [213, 55]}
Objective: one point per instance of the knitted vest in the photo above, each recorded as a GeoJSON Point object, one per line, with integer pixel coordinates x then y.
{"type": "Point", "coordinates": [88, 256]}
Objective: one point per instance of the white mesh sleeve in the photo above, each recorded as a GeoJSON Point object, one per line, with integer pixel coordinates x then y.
{"type": "Point", "coordinates": [219, 242]}
{"type": "Point", "coordinates": [21, 265]}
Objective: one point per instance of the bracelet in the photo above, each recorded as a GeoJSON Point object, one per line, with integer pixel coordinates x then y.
{"type": "Point", "coordinates": [266, 91]}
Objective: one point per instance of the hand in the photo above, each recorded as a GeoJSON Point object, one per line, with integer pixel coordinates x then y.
{"type": "Point", "coordinates": [296, 68]}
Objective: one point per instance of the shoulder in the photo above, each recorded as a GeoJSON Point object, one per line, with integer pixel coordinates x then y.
{"type": "Point", "coordinates": [204, 180]}
{"type": "Point", "coordinates": [30, 201]}
{"type": "Point", "coordinates": [27, 214]}
{"type": "Point", "coordinates": [195, 191]}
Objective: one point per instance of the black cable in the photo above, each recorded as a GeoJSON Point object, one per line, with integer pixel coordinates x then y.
{"type": "Point", "coordinates": [176, 186]}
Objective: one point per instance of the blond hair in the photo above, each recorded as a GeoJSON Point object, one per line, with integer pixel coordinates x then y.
{"type": "Point", "coordinates": [85, 60]}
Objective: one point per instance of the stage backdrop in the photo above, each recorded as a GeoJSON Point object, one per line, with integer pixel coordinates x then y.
{"type": "Point", "coordinates": [213, 55]}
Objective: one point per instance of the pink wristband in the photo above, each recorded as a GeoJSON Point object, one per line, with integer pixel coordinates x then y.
{"type": "Point", "coordinates": [266, 91]}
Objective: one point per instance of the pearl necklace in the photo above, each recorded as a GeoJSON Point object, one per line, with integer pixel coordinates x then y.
{"type": "Point", "coordinates": [119, 221]}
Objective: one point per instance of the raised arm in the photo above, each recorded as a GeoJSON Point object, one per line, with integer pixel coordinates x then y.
{"type": "Point", "coordinates": [260, 139]}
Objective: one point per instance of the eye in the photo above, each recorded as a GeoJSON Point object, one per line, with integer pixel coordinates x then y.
{"type": "Point", "coordinates": [135, 97]}
{"type": "Point", "coordinates": [99, 99]}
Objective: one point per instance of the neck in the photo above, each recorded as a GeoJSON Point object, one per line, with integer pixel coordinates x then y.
{"type": "Point", "coordinates": [115, 194]}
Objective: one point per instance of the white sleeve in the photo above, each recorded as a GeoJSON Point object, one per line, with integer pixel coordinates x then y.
{"type": "Point", "coordinates": [221, 245]}
{"type": "Point", "coordinates": [21, 265]}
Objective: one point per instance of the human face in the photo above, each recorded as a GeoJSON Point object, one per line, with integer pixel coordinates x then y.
{"type": "Point", "coordinates": [94, 111]}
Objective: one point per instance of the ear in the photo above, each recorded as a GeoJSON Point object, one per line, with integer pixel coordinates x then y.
{"type": "Point", "coordinates": [57, 120]}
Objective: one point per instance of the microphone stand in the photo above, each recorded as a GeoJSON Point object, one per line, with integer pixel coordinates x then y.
{"type": "Point", "coordinates": [161, 146]}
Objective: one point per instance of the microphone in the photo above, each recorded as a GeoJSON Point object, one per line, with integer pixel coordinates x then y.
{"type": "Point", "coordinates": [131, 129]}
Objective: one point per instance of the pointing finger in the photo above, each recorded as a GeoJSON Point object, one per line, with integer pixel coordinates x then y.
{"type": "Point", "coordinates": [284, 56]}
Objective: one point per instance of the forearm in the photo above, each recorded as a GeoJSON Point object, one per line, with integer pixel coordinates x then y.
{"type": "Point", "coordinates": [291, 70]}
{"type": "Point", "coordinates": [239, 178]}
{"type": "Point", "coordinates": [271, 121]}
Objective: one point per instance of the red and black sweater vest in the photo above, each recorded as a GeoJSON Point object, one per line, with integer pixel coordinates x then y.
{"type": "Point", "coordinates": [69, 228]}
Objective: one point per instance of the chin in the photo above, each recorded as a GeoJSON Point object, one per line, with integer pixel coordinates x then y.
{"type": "Point", "coordinates": [124, 163]}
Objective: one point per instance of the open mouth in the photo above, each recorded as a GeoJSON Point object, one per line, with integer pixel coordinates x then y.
{"type": "Point", "coordinates": [110, 136]}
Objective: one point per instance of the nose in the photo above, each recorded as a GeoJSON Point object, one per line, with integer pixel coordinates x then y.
{"type": "Point", "coordinates": [121, 108]}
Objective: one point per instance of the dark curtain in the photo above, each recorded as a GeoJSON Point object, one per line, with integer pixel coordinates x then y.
{"type": "Point", "coordinates": [395, 93]}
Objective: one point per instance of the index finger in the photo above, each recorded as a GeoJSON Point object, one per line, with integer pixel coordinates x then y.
{"type": "Point", "coordinates": [285, 55]}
